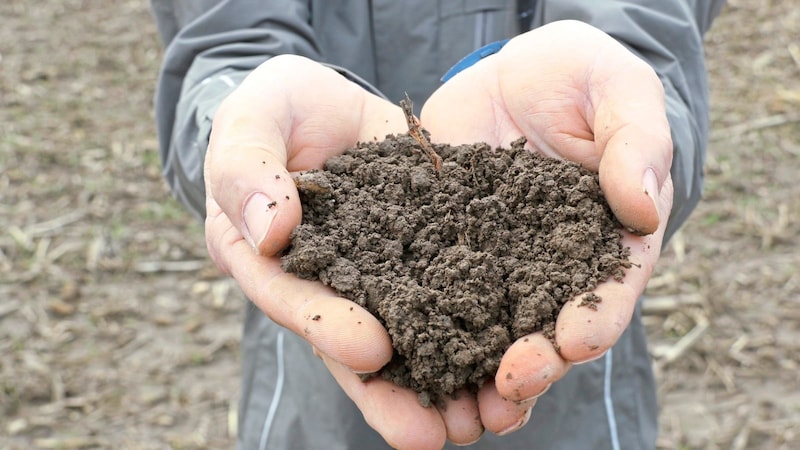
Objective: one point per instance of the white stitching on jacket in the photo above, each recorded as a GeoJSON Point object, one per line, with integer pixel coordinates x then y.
{"type": "Point", "coordinates": [276, 398]}
{"type": "Point", "coordinates": [612, 418]}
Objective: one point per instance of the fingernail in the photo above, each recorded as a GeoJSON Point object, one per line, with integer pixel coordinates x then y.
{"type": "Point", "coordinates": [259, 210]}
{"type": "Point", "coordinates": [544, 391]}
{"type": "Point", "coordinates": [593, 358]}
{"type": "Point", "coordinates": [465, 444]}
{"type": "Point", "coordinates": [650, 187]}
{"type": "Point", "coordinates": [517, 425]}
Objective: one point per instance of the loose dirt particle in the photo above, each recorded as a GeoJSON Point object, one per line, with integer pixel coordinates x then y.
{"type": "Point", "coordinates": [590, 301]}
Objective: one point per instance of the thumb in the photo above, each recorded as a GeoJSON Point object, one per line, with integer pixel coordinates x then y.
{"type": "Point", "coordinates": [633, 169]}
{"type": "Point", "coordinates": [633, 136]}
{"type": "Point", "coordinates": [260, 193]}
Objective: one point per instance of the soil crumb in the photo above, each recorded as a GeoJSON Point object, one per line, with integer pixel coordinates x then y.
{"type": "Point", "coordinates": [457, 264]}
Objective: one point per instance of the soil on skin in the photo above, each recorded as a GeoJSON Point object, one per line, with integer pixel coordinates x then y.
{"type": "Point", "coordinates": [456, 264]}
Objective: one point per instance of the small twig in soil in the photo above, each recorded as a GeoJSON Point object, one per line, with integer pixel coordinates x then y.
{"type": "Point", "coordinates": [9, 307]}
{"type": "Point", "coordinates": [52, 226]}
{"type": "Point", "coordinates": [668, 304]}
{"type": "Point", "coordinates": [757, 124]}
{"type": "Point", "coordinates": [416, 131]}
{"type": "Point", "coordinates": [312, 182]}
{"type": "Point", "coordinates": [794, 51]}
{"type": "Point", "coordinates": [169, 266]}
{"type": "Point", "coordinates": [669, 355]}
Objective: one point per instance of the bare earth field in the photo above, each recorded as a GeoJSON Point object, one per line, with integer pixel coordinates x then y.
{"type": "Point", "coordinates": [117, 332]}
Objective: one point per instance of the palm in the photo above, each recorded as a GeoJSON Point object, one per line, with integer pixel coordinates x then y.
{"type": "Point", "coordinates": [601, 107]}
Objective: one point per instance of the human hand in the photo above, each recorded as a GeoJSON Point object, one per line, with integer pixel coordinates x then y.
{"type": "Point", "coordinates": [577, 94]}
{"type": "Point", "coordinates": [290, 115]}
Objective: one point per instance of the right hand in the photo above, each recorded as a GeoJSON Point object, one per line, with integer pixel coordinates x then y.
{"type": "Point", "coordinates": [289, 115]}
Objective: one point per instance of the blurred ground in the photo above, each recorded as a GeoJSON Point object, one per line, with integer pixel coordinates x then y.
{"type": "Point", "coordinates": [728, 356]}
{"type": "Point", "coordinates": [116, 332]}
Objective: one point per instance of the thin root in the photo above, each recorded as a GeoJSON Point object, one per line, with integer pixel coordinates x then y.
{"type": "Point", "coordinates": [416, 131]}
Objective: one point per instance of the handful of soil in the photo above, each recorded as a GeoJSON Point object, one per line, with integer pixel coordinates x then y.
{"type": "Point", "coordinates": [459, 262]}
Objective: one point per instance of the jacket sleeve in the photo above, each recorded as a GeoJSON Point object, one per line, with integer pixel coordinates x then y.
{"type": "Point", "coordinates": [211, 45]}
{"type": "Point", "coordinates": [669, 36]}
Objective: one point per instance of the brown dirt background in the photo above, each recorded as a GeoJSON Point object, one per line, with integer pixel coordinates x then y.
{"type": "Point", "coordinates": [116, 332]}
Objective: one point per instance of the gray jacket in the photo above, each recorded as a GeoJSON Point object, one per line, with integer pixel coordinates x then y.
{"type": "Point", "coordinates": [211, 45]}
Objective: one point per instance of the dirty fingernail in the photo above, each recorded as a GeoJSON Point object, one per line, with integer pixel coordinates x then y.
{"type": "Point", "coordinates": [259, 210]}
{"type": "Point", "coordinates": [650, 186]}
{"type": "Point", "coordinates": [517, 425]}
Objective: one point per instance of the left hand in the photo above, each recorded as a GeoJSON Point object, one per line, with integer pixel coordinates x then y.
{"type": "Point", "coordinates": [577, 94]}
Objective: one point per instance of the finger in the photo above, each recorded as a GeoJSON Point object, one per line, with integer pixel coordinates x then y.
{"type": "Point", "coordinates": [289, 114]}
{"type": "Point", "coordinates": [392, 411]}
{"type": "Point", "coordinates": [501, 415]}
{"type": "Point", "coordinates": [633, 170]}
{"type": "Point", "coordinates": [462, 418]}
{"type": "Point", "coordinates": [257, 194]}
{"type": "Point", "coordinates": [334, 325]}
{"type": "Point", "coordinates": [633, 135]}
{"type": "Point", "coordinates": [584, 333]}
{"type": "Point", "coordinates": [528, 368]}
{"type": "Point", "coordinates": [340, 328]}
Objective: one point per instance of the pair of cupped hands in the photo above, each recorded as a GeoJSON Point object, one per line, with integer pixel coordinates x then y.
{"type": "Point", "coordinates": [570, 89]}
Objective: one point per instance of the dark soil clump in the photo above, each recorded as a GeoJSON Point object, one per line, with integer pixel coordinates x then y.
{"type": "Point", "coordinates": [458, 263]}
